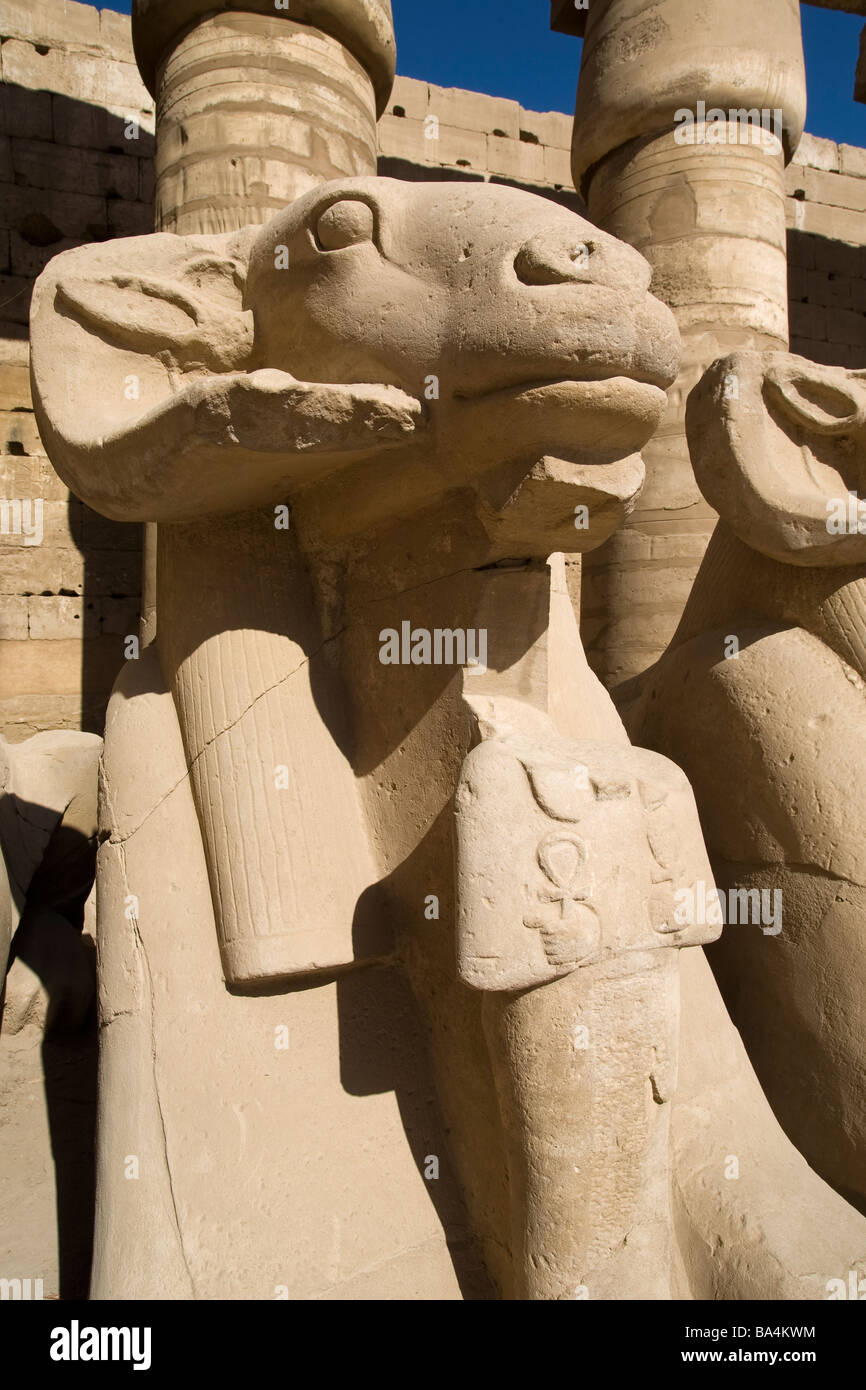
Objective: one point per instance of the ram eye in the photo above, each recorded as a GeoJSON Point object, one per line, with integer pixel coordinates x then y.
{"type": "Point", "coordinates": [345, 224]}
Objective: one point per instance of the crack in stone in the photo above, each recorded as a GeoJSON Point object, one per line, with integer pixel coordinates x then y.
{"type": "Point", "coordinates": [413, 588]}
{"type": "Point", "coordinates": [142, 950]}
{"type": "Point", "coordinates": [275, 685]}
{"type": "Point", "coordinates": [120, 840]}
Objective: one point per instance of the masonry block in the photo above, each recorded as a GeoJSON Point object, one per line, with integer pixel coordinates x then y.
{"type": "Point", "coordinates": [829, 190]}
{"type": "Point", "coordinates": [834, 223]}
{"type": "Point", "coordinates": [15, 293]}
{"type": "Point", "coordinates": [54, 618]}
{"type": "Point", "coordinates": [816, 153]}
{"type": "Point", "coordinates": [14, 387]}
{"type": "Point", "coordinates": [462, 148]}
{"type": "Point", "coordinates": [852, 161]}
{"type": "Point", "coordinates": [557, 168]}
{"type": "Point", "coordinates": [24, 113]}
{"type": "Point", "coordinates": [129, 219]}
{"type": "Point", "coordinates": [847, 326]}
{"type": "Point", "coordinates": [28, 569]}
{"type": "Point", "coordinates": [551, 128]}
{"type": "Point", "coordinates": [44, 216]}
{"type": "Point", "coordinates": [87, 76]}
{"type": "Point", "coordinates": [26, 259]}
{"type": "Point", "coordinates": [13, 617]}
{"type": "Point", "coordinates": [101, 534]}
{"type": "Point", "coordinates": [402, 137]}
{"type": "Point", "coordinates": [69, 25]}
{"type": "Point", "coordinates": [115, 35]}
{"type": "Point", "coordinates": [809, 321]}
{"type": "Point", "coordinates": [411, 96]}
{"type": "Point", "coordinates": [515, 159]}
{"type": "Point", "coordinates": [39, 164]}
{"type": "Point", "coordinates": [96, 128]}
{"type": "Point", "coordinates": [473, 111]}
{"type": "Point", "coordinates": [114, 574]}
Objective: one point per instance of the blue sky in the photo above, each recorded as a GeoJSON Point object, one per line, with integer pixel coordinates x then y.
{"type": "Point", "coordinates": [505, 48]}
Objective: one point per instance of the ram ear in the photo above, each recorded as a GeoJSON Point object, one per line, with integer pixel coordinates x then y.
{"type": "Point", "coordinates": [116, 327]}
{"type": "Point", "coordinates": [815, 399]}
{"type": "Point", "coordinates": [778, 443]}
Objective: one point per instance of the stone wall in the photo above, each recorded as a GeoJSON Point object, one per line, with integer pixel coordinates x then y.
{"type": "Point", "coordinates": [76, 147]}
{"type": "Point", "coordinates": [76, 143]}
{"type": "Point", "coordinates": [472, 136]}
{"type": "Point", "coordinates": [826, 187]}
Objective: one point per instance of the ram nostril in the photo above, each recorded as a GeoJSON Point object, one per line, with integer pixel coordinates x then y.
{"type": "Point", "coordinates": [547, 260]}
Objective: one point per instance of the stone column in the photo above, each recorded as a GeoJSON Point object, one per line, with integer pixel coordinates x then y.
{"type": "Point", "coordinates": [257, 101]}
{"type": "Point", "coordinates": [709, 215]}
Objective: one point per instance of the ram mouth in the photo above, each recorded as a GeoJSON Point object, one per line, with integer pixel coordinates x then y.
{"type": "Point", "coordinates": [586, 386]}
{"type": "Point", "coordinates": [564, 413]}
